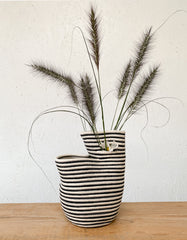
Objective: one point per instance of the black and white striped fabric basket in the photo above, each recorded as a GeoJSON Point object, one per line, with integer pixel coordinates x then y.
{"type": "Point", "coordinates": [91, 186]}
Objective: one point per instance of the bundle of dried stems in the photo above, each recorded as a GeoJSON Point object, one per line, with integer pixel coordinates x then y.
{"type": "Point", "coordinates": [83, 92]}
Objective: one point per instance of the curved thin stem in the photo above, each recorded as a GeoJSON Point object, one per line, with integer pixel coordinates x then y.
{"type": "Point", "coordinates": [48, 110]}
{"type": "Point", "coordinates": [114, 114]}
{"type": "Point", "coordinates": [122, 116]}
{"type": "Point", "coordinates": [153, 100]}
{"type": "Point", "coordinates": [102, 111]}
{"type": "Point", "coordinates": [104, 99]}
{"type": "Point", "coordinates": [30, 134]}
{"type": "Point", "coordinates": [63, 106]}
{"type": "Point", "coordinates": [89, 55]}
{"type": "Point", "coordinates": [169, 115]}
{"type": "Point", "coordinates": [81, 121]}
{"type": "Point", "coordinates": [39, 166]}
{"type": "Point", "coordinates": [84, 122]}
{"type": "Point", "coordinates": [144, 127]}
{"type": "Point", "coordinates": [165, 21]}
{"type": "Point", "coordinates": [119, 118]}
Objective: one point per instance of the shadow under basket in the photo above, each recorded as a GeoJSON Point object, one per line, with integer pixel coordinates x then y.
{"type": "Point", "coordinates": [91, 187]}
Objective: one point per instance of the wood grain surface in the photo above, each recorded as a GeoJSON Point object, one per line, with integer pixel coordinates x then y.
{"type": "Point", "coordinates": [141, 221]}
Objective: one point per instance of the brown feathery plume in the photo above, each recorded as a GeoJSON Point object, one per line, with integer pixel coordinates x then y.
{"type": "Point", "coordinates": [141, 53]}
{"type": "Point", "coordinates": [142, 50]}
{"type": "Point", "coordinates": [62, 78]}
{"type": "Point", "coordinates": [94, 36]}
{"type": "Point", "coordinates": [124, 81]}
{"type": "Point", "coordinates": [88, 97]}
{"type": "Point", "coordinates": [143, 89]}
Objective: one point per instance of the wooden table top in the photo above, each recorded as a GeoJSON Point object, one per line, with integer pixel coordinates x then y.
{"type": "Point", "coordinates": [141, 221]}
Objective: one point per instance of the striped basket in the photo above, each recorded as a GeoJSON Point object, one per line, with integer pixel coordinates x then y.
{"type": "Point", "coordinates": [91, 186]}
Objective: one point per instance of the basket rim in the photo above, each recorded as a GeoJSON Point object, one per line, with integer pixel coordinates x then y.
{"type": "Point", "coordinates": [101, 132]}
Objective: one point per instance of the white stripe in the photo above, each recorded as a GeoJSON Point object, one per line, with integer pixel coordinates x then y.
{"type": "Point", "coordinates": [90, 193]}
{"type": "Point", "coordinates": [84, 180]}
{"type": "Point", "coordinates": [86, 184]}
{"type": "Point", "coordinates": [87, 219]}
{"type": "Point", "coordinates": [94, 187]}
{"type": "Point", "coordinates": [113, 206]}
{"type": "Point", "coordinates": [104, 211]}
{"type": "Point", "coordinates": [82, 177]}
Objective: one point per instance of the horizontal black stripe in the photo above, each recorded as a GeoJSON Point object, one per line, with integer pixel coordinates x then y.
{"type": "Point", "coordinates": [102, 134]}
{"type": "Point", "coordinates": [93, 206]}
{"type": "Point", "coordinates": [91, 203]}
{"type": "Point", "coordinates": [90, 162]}
{"type": "Point", "coordinates": [89, 199]}
{"type": "Point", "coordinates": [91, 223]}
{"type": "Point", "coordinates": [94, 191]}
{"type": "Point", "coordinates": [91, 169]}
{"type": "Point", "coordinates": [95, 146]}
{"type": "Point", "coordinates": [104, 152]}
{"type": "Point", "coordinates": [107, 157]}
{"type": "Point", "coordinates": [83, 195]}
{"type": "Point", "coordinates": [93, 214]}
{"type": "Point", "coordinates": [91, 149]}
{"type": "Point", "coordinates": [88, 189]}
{"type": "Point", "coordinates": [88, 173]}
{"type": "Point", "coordinates": [89, 165]}
{"type": "Point", "coordinates": [109, 154]}
{"type": "Point", "coordinates": [121, 146]}
{"type": "Point", "coordinates": [95, 181]}
{"type": "Point", "coordinates": [97, 173]}
{"type": "Point", "coordinates": [92, 185]}
{"type": "Point", "coordinates": [100, 168]}
{"type": "Point", "coordinates": [109, 138]}
{"type": "Point", "coordinates": [102, 138]}
{"type": "Point", "coordinates": [91, 142]}
{"type": "Point", "coordinates": [91, 176]}
{"type": "Point", "coordinates": [88, 148]}
{"type": "Point", "coordinates": [112, 167]}
{"type": "Point", "coordinates": [90, 217]}
{"type": "Point", "coordinates": [91, 210]}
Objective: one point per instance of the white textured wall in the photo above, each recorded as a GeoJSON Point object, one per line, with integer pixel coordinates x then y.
{"type": "Point", "coordinates": [42, 31]}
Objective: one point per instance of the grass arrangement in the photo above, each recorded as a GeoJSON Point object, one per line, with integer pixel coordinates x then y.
{"type": "Point", "coordinates": [87, 92]}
